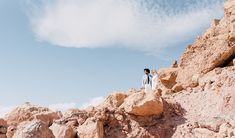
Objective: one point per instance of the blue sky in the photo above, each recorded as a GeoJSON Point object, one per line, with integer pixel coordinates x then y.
{"type": "Point", "coordinates": [48, 57]}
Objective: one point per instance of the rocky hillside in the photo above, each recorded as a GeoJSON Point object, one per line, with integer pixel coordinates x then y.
{"type": "Point", "coordinates": [195, 99]}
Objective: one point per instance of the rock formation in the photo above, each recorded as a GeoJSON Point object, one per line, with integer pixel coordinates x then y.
{"type": "Point", "coordinates": [3, 128]}
{"type": "Point", "coordinates": [62, 131]}
{"type": "Point", "coordinates": [140, 103]}
{"type": "Point", "coordinates": [216, 48]}
{"type": "Point", "coordinates": [33, 129]}
{"type": "Point", "coordinates": [194, 99]}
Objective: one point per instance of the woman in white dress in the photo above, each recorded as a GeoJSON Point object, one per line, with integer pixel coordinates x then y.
{"type": "Point", "coordinates": [154, 80]}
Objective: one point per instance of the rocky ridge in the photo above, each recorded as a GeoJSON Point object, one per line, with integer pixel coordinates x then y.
{"type": "Point", "coordinates": [195, 98]}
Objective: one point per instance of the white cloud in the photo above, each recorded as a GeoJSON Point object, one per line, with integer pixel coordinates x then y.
{"type": "Point", "coordinates": [93, 102]}
{"type": "Point", "coordinates": [145, 25]}
{"type": "Point", "coordinates": [4, 110]}
{"type": "Point", "coordinates": [62, 106]}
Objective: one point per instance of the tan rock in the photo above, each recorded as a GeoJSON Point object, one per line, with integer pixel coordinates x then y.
{"type": "Point", "coordinates": [3, 136]}
{"type": "Point", "coordinates": [92, 128]}
{"type": "Point", "coordinates": [71, 112]}
{"type": "Point", "coordinates": [167, 77]}
{"type": "Point", "coordinates": [143, 104]}
{"type": "Point", "coordinates": [3, 122]}
{"type": "Point", "coordinates": [204, 133]}
{"type": "Point", "coordinates": [47, 117]}
{"type": "Point", "coordinates": [223, 131]}
{"type": "Point", "coordinates": [158, 92]}
{"type": "Point", "coordinates": [62, 131]}
{"type": "Point", "coordinates": [33, 129]}
{"type": "Point", "coordinates": [228, 106]}
{"type": "Point", "coordinates": [177, 88]}
{"type": "Point", "coordinates": [215, 22]}
{"type": "Point", "coordinates": [3, 129]}
{"type": "Point", "coordinates": [3, 126]}
{"type": "Point", "coordinates": [114, 100]}
{"type": "Point", "coordinates": [22, 113]}
{"type": "Point", "coordinates": [211, 124]}
{"type": "Point", "coordinates": [28, 112]}
{"type": "Point", "coordinates": [167, 92]}
{"type": "Point", "coordinates": [230, 132]}
{"type": "Point", "coordinates": [174, 64]}
{"type": "Point", "coordinates": [215, 48]}
{"type": "Point", "coordinates": [11, 131]}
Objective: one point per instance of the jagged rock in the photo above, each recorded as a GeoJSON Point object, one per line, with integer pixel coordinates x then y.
{"type": "Point", "coordinates": [223, 131]}
{"type": "Point", "coordinates": [143, 104]}
{"type": "Point", "coordinates": [215, 22]}
{"type": "Point", "coordinates": [204, 133]}
{"type": "Point", "coordinates": [167, 77]}
{"type": "Point", "coordinates": [33, 129]}
{"type": "Point", "coordinates": [228, 106]}
{"type": "Point", "coordinates": [11, 131]}
{"type": "Point", "coordinates": [221, 81]}
{"type": "Point", "coordinates": [92, 128]}
{"type": "Point", "coordinates": [167, 92]}
{"type": "Point", "coordinates": [174, 64]}
{"type": "Point", "coordinates": [3, 128]}
{"type": "Point", "coordinates": [72, 112]}
{"type": "Point", "coordinates": [47, 117]}
{"type": "Point", "coordinates": [62, 131]}
{"type": "Point", "coordinates": [28, 112]}
{"type": "Point", "coordinates": [211, 124]}
{"type": "Point", "coordinates": [215, 48]}
{"type": "Point", "coordinates": [75, 117]}
{"type": "Point", "coordinates": [114, 100]}
{"type": "Point", "coordinates": [177, 88]}
{"type": "Point", "coordinates": [23, 113]}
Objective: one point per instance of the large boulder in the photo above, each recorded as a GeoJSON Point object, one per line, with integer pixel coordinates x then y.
{"type": "Point", "coordinates": [28, 112]}
{"type": "Point", "coordinates": [33, 129]}
{"type": "Point", "coordinates": [92, 128]}
{"type": "Point", "coordinates": [216, 48]}
{"type": "Point", "coordinates": [143, 104]}
{"type": "Point", "coordinates": [62, 131]}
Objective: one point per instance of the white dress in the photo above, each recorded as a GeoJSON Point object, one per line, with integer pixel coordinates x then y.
{"type": "Point", "coordinates": [154, 82]}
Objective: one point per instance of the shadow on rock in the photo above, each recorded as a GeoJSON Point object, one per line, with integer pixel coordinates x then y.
{"type": "Point", "coordinates": [119, 124]}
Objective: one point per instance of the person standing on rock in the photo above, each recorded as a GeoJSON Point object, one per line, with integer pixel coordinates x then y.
{"type": "Point", "coordinates": [154, 80]}
{"type": "Point", "coordinates": [147, 80]}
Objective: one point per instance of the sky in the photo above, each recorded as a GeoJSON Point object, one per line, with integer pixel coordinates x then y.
{"type": "Point", "coordinates": [73, 53]}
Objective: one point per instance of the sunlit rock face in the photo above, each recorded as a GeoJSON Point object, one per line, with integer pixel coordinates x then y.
{"type": "Point", "coordinates": [215, 48]}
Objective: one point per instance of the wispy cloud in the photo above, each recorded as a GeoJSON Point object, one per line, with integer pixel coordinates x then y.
{"type": "Point", "coordinates": [93, 102]}
{"type": "Point", "coordinates": [145, 25]}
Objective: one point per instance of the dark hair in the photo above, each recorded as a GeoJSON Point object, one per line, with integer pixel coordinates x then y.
{"type": "Point", "coordinates": [147, 70]}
